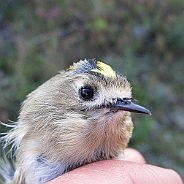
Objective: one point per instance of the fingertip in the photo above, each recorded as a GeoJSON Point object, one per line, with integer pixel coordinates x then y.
{"type": "Point", "coordinates": [133, 155]}
{"type": "Point", "coordinates": [168, 176]}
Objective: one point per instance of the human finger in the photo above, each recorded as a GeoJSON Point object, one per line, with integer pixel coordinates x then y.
{"type": "Point", "coordinates": [119, 172]}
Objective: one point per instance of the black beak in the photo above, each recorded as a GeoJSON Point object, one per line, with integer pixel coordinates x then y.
{"type": "Point", "coordinates": [126, 104]}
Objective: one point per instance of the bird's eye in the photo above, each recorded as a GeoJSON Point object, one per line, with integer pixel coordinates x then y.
{"type": "Point", "coordinates": [87, 93]}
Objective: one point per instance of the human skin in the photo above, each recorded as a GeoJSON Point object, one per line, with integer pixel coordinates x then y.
{"type": "Point", "coordinates": [131, 169]}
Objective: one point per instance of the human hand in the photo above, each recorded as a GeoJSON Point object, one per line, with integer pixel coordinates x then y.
{"type": "Point", "coordinates": [132, 169]}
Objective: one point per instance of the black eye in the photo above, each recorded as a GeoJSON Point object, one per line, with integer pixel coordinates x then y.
{"type": "Point", "coordinates": [87, 93]}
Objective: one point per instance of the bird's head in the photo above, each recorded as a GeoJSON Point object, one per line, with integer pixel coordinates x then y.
{"type": "Point", "coordinates": [80, 111]}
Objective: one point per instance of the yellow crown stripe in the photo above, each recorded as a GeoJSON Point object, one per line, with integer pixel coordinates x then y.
{"type": "Point", "coordinates": [70, 68]}
{"type": "Point", "coordinates": [104, 69]}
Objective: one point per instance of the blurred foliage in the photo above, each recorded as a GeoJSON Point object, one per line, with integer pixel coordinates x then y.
{"type": "Point", "coordinates": [142, 39]}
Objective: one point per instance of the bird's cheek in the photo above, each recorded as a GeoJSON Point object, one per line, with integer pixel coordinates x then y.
{"type": "Point", "coordinates": [119, 115]}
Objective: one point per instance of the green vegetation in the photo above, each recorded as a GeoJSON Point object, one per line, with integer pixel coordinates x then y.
{"type": "Point", "coordinates": [142, 39]}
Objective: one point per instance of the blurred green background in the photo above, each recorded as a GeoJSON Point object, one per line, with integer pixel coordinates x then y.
{"type": "Point", "coordinates": [142, 39]}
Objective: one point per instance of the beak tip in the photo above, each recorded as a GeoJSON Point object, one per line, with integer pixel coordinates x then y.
{"type": "Point", "coordinates": [149, 113]}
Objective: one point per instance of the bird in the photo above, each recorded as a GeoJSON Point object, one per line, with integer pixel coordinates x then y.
{"type": "Point", "coordinates": [79, 116]}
